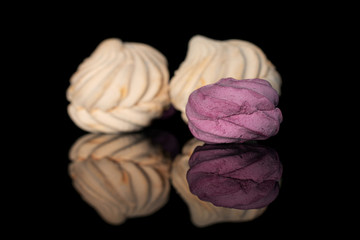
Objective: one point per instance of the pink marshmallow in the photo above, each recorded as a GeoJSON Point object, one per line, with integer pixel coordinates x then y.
{"type": "Point", "coordinates": [233, 110]}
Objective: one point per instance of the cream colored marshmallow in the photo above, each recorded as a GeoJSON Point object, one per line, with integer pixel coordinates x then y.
{"type": "Point", "coordinates": [120, 176]}
{"type": "Point", "coordinates": [208, 60]}
{"type": "Point", "coordinates": [121, 87]}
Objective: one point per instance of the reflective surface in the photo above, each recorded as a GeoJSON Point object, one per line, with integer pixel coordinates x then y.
{"type": "Point", "coordinates": [130, 175]}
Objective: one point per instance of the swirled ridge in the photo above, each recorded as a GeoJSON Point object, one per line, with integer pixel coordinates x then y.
{"type": "Point", "coordinates": [121, 87]}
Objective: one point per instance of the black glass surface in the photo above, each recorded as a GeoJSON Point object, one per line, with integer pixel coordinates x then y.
{"type": "Point", "coordinates": [110, 181]}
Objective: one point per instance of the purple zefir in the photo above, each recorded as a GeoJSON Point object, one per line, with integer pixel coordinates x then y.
{"type": "Point", "coordinates": [233, 110]}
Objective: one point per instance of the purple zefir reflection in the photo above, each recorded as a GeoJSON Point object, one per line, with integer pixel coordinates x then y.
{"type": "Point", "coordinates": [241, 176]}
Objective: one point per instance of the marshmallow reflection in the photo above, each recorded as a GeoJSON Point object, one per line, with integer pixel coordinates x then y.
{"type": "Point", "coordinates": [241, 176]}
{"type": "Point", "coordinates": [204, 213]}
{"type": "Point", "coordinates": [120, 176]}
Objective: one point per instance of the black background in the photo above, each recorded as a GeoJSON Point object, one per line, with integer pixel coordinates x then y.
{"type": "Point", "coordinates": [283, 36]}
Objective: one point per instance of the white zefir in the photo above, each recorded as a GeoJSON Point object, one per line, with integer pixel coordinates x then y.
{"type": "Point", "coordinates": [121, 87]}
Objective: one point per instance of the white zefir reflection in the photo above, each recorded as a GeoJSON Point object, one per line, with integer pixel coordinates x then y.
{"type": "Point", "coordinates": [120, 176]}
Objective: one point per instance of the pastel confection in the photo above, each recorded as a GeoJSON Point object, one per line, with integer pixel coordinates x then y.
{"type": "Point", "coordinates": [120, 176]}
{"type": "Point", "coordinates": [209, 60]}
{"type": "Point", "coordinates": [235, 175]}
{"type": "Point", "coordinates": [233, 110]}
{"type": "Point", "coordinates": [203, 213]}
{"type": "Point", "coordinates": [121, 87]}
